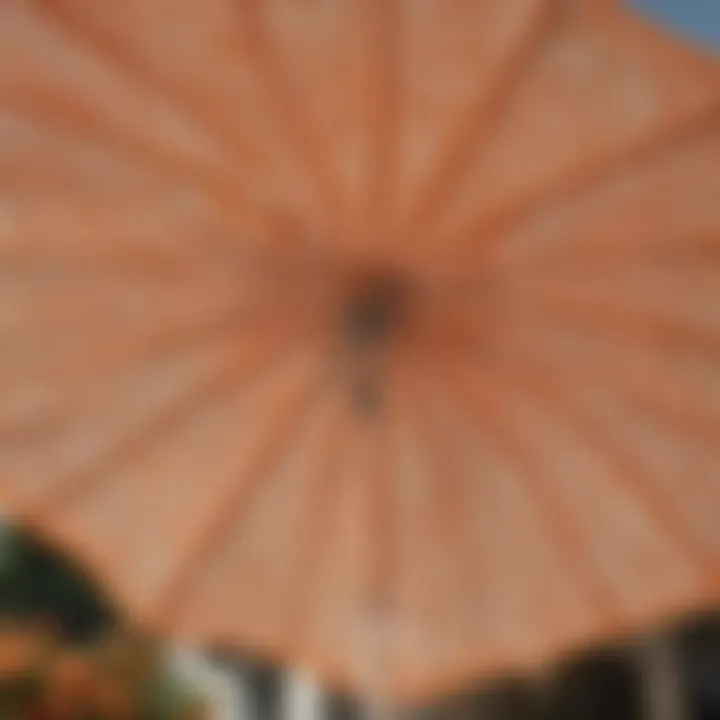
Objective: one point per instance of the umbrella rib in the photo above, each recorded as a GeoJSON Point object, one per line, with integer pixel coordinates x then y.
{"type": "Point", "coordinates": [557, 401]}
{"type": "Point", "coordinates": [238, 502]}
{"type": "Point", "coordinates": [649, 387]}
{"type": "Point", "coordinates": [286, 104]}
{"type": "Point", "coordinates": [380, 560]}
{"type": "Point", "coordinates": [490, 232]}
{"type": "Point", "coordinates": [17, 175]}
{"type": "Point", "coordinates": [697, 554]}
{"type": "Point", "coordinates": [153, 431]}
{"type": "Point", "coordinates": [167, 340]}
{"type": "Point", "coordinates": [377, 609]}
{"type": "Point", "coordinates": [166, 345]}
{"type": "Point", "coordinates": [479, 120]}
{"type": "Point", "coordinates": [150, 155]}
{"type": "Point", "coordinates": [634, 326]}
{"type": "Point", "coordinates": [448, 520]}
{"type": "Point", "coordinates": [104, 47]}
{"type": "Point", "coordinates": [693, 246]}
{"type": "Point", "coordinates": [131, 242]}
{"type": "Point", "coordinates": [640, 324]}
{"type": "Point", "coordinates": [596, 256]}
{"type": "Point", "coordinates": [317, 533]}
{"type": "Point", "coordinates": [608, 259]}
{"type": "Point", "coordinates": [174, 347]}
{"type": "Point", "coordinates": [487, 417]}
{"type": "Point", "coordinates": [139, 265]}
{"type": "Point", "coordinates": [382, 29]}
{"type": "Point", "coordinates": [161, 269]}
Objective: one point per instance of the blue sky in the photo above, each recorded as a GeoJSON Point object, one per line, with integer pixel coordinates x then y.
{"type": "Point", "coordinates": [699, 19]}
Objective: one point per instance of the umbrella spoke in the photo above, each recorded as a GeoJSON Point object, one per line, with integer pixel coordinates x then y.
{"type": "Point", "coordinates": [88, 379]}
{"type": "Point", "coordinates": [316, 534]}
{"type": "Point", "coordinates": [104, 46]}
{"type": "Point", "coordinates": [474, 242]}
{"type": "Point", "coordinates": [382, 565]}
{"type": "Point", "coordinates": [657, 387]}
{"type": "Point", "coordinates": [441, 504]}
{"type": "Point", "coordinates": [485, 409]}
{"type": "Point", "coordinates": [285, 103]}
{"type": "Point", "coordinates": [70, 268]}
{"type": "Point", "coordinates": [375, 606]}
{"type": "Point", "coordinates": [560, 403]}
{"type": "Point", "coordinates": [270, 539]}
{"type": "Point", "coordinates": [596, 258]}
{"type": "Point", "coordinates": [39, 160]}
{"type": "Point", "coordinates": [70, 122]}
{"type": "Point", "coordinates": [625, 572]}
{"type": "Point", "coordinates": [89, 35]}
{"type": "Point", "coordinates": [164, 342]}
{"type": "Point", "coordinates": [619, 322]}
{"type": "Point", "coordinates": [383, 119]}
{"type": "Point", "coordinates": [55, 99]}
{"type": "Point", "coordinates": [603, 255]}
{"type": "Point", "coordinates": [123, 353]}
{"type": "Point", "coordinates": [125, 362]}
{"type": "Point", "coordinates": [476, 127]}
{"type": "Point", "coordinates": [277, 432]}
{"type": "Point", "coordinates": [158, 426]}
{"type": "Point", "coordinates": [627, 323]}
{"type": "Point", "coordinates": [394, 590]}
{"type": "Point", "coordinates": [375, 336]}
{"type": "Point", "coordinates": [147, 233]}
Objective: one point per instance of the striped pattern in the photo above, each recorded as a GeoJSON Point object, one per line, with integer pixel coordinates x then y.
{"type": "Point", "coordinates": [187, 192]}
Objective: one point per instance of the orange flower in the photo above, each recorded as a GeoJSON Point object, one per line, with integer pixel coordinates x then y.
{"type": "Point", "coordinates": [68, 684]}
{"type": "Point", "coordinates": [20, 652]}
{"type": "Point", "coordinates": [109, 697]}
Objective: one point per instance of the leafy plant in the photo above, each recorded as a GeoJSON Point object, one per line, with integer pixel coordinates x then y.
{"type": "Point", "coordinates": [65, 652]}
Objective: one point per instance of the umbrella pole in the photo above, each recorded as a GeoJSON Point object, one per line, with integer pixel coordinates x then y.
{"type": "Point", "coordinates": [662, 687]}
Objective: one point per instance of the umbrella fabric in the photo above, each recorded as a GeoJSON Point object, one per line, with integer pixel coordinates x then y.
{"type": "Point", "coordinates": [379, 336]}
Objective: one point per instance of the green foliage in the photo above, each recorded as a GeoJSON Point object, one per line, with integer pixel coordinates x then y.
{"type": "Point", "coordinates": [42, 588]}
{"type": "Point", "coordinates": [39, 582]}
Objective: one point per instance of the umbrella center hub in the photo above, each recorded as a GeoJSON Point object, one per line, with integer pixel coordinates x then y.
{"type": "Point", "coordinates": [375, 308]}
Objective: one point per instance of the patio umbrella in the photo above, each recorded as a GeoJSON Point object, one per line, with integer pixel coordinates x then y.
{"type": "Point", "coordinates": [381, 337]}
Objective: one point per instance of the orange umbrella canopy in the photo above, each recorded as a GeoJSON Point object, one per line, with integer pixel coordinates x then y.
{"type": "Point", "coordinates": [324, 316]}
